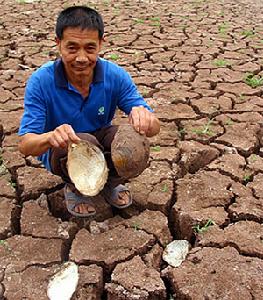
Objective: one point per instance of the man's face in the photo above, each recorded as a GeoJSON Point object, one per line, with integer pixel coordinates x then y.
{"type": "Point", "coordinates": [79, 50]}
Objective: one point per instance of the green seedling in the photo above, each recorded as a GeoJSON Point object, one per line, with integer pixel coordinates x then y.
{"type": "Point", "coordinates": [222, 28]}
{"type": "Point", "coordinates": [253, 80]}
{"type": "Point", "coordinates": [205, 130]}
{"type": "Point", "coordinates": [155, 19]}
{"type": "Point", "coordinates": [106, 2]}
{"type": "Point", "coordinates": [242, 97]}
{"type": "Point", "coordinates": [4, 244]}
{"type": "Point", "coordinates": [136, 226]}
{"type": "Point", "coordinates": [247, 33]}
{"type": "Point", "coordinates": [221, 63]}
{"type": "Point", "coordinates": [114, 56]}
{"type": "Point", "coordinates": [139, 21]}
{"type": "Point", "coordinates": [144, 93]}
{"type": "Point", "coordinates": [247, 178]}
{"type": "Point", "coordinates": [116, 11]}
{"type": "Point", "coordinates": [181, 131]}
{"type": "Point", "coordinates": [253, 157]}
{"type": "Point", "coordinates": [156, 148]}
{"type": "Point", "coordinates": [164, 189]}
{"type": "Point", "coordinates": [156, 23]}
{"type": "Point", "coordinates": [13, 184]}
{"type": "Point", "coordinates": [201, 229]}
{"type": "Point", "coordinates": [229, 122]}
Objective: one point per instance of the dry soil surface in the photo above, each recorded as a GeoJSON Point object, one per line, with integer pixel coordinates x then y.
{"type": "Point", "coordinates": [198, 63]}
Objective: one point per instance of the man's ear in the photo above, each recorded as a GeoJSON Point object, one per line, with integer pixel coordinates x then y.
{"type": "Point", "coordinates": [102, 40]}
{"type": "Point", "coordinates": [57, 41]}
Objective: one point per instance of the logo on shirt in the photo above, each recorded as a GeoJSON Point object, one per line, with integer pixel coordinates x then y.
{"type": "Point", "coordinates": [101, 111]}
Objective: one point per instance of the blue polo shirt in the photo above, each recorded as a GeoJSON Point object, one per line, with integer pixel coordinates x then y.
{"type": "Point", "coordinates": [50, 100]}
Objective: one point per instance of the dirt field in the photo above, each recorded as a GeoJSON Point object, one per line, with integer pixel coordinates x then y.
{"type": "Point", "coordinates": [198, 63]}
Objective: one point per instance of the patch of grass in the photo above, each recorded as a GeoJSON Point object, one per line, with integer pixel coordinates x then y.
{"type": "Point", "coordinates": [114, 56]}
{"type": "Point", "coordinates": [253, 80]}
{"type": "Point", "coordinates": [205, 130]}
{"type": "Point", "coordinates": [156, 148]}
{"type": "Point", "coordinates": [221, 63]}
{"type": "Point", "coordinates": [201, 229]}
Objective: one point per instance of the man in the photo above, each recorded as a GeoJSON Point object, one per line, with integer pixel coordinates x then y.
{"type": "Point", "coordinates": [75, 98]}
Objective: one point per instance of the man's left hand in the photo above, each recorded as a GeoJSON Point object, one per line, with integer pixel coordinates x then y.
{"type": "Point", "coordinates": [144, 121]}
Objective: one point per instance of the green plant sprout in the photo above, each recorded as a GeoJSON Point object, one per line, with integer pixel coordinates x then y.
{"type": "Point", "coordinates": [204, 130]}
{"type": "Point", "coordinates": [13, 184]}
{"type": "Point", "coordinates": [5, 245]}
{"type": "Point", "coordinates": [139, 21]}
{"type": "Point", "coordinates": [201, 229]}
{"type": "Point", "coordinates": [221, 63]}
{"type": "Point", "coordinates": [164, 189]}
{"type": "Point", "coordinates": [229, 122]}
{"type": "Point", "coordinates": [253, 80]}
{"type": "Point", "coordinates": [248, 33]}
{"type": "Point", "coordinates": [182, 131]}
{"type": "Point", "coordinates": [246, 178]}
{"type": "Point", "coordinates": [114, 56]}
{"type": "Point", "coordinates": [222, 28]}
{"type": "Point", "coordinates": [156, 148]}
{"type": "Point", "coordinates": [242, 97]}
{"type": "Point", "coordinates": [136, 226]}
{"type": "Point", "coordinates": [253, 157]}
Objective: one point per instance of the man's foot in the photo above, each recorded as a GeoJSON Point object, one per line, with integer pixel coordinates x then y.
{"type": "Point", "coordinates": [78, 204]}
{"type": "Point", "coordinates": [119, 197]}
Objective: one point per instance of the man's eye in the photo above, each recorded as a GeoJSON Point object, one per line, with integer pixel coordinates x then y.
{"type": "Point", "coordinates": [71, 48]}
{"type": "Point", "coordinates": [90, 49]}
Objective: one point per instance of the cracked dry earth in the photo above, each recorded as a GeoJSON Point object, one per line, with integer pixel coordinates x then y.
{"type": "Point", "coordinates": [189, 60]}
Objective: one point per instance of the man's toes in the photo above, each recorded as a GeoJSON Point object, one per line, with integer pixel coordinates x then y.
{"type": "Point", "coordinates": [84, 208]}
{"type": "Point", "coordinates": [123, 198]}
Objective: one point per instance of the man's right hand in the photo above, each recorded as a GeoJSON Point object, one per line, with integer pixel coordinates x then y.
{"type": "Point", "coordinates": [62, 135]}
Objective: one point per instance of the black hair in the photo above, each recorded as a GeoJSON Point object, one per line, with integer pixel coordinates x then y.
{"type": "Point", "coordinates": [79, 16]}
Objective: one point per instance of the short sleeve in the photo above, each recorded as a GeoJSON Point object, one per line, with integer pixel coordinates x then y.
{"type": "Point", "coordinates": [34, 117]}
{"type": "Point", "coordinates": [128, 94]}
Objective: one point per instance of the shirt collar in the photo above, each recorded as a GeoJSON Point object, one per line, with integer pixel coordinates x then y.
{"type": "Point", "coordinates": [61, 78]}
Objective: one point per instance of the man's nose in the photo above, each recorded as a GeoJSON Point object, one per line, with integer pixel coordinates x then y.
{"type": "Point", "coordinates": [82, 57]}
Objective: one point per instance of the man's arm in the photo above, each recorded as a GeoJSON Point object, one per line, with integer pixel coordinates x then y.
{"type": "Point", "coordinates": [37, 144]}
{"type": "Point", "coordinates": [144, 121]}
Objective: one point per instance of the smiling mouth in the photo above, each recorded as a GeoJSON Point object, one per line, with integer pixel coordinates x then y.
{"type": "Point", "coordinates": [81, 68]}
